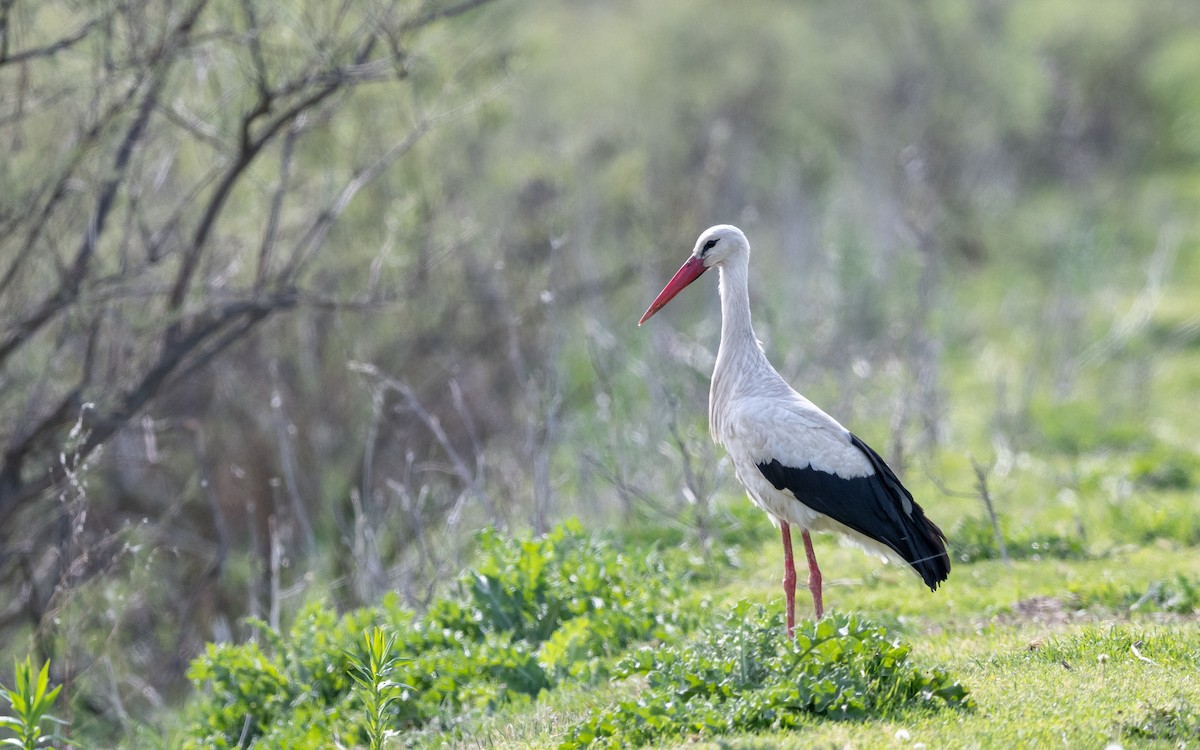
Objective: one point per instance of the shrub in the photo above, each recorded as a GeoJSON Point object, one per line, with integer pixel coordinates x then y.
{"type": "Point", "coordinates": [744, 676]}
{"type": "Point", "coordinates": [1166, 469]}
{"type": "Point", "coordinates": [529, 613]}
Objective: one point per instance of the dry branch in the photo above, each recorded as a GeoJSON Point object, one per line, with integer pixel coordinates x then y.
{"type": "Point", "coordinates": [199, 322]}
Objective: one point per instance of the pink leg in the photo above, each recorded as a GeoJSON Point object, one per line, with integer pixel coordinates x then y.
{"type": "Point", "coordinates": [814, 575]}
{"type": "Point", "coordinates": [789, 577]}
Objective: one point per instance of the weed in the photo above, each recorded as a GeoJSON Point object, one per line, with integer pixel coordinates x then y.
{"type": "Point", "coordinates": [30, 700]}
{"type": "Point", "coordinates": [373, 675]}
{"type": "Point", "coordinates": [742, 675]}
{"type": "Point", "coordinates": [531, 613]}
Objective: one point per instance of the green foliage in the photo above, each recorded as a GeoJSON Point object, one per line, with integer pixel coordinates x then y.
{"type": "Point", "coordinates": [30, 700]}
{"type": "Point", "coordinates": [1179, 594]}
{"type": "Point", "coordinates": [529, 614]}
{"type": "Point", "coordinates": [247, 691]}
{"type": "Point", "coordinates": [743, 675]}
{"type": "Point", "coordinates": [1145, 519]}
{"type": "Point", "coordinates": [973, 539]}
{"type": "Point", "coordinates": [1178, 723]}
{"type": "Point", "coordinates": [1125, 642]}
{"type": "Point", "coordinates": [531, 588]}
{"type": "Point", "coordinates": [372, 674]}
{"type": "Point", "coordinates": [1076, 427]}
{"type": "Point", "coordinates": [1165, 469]}
{"type": "Point", "coordinates": [733, 526]}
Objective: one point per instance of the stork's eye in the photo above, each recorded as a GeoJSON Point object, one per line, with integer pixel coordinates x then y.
{"type": "Point", "coordinates": [710, 244]}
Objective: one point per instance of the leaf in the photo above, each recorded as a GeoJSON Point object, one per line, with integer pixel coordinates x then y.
{"type": "Point", "coordinates": [740, 677]}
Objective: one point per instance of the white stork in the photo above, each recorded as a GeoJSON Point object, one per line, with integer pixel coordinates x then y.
{"type": "Point", "coordinates": [796, 462]}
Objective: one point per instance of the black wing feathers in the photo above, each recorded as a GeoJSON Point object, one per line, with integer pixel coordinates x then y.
{"type": "Point", "coordinates": [877, 506]}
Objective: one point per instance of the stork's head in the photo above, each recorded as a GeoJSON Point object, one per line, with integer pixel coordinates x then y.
{"type": "Point", "coordinates": [715, 246]}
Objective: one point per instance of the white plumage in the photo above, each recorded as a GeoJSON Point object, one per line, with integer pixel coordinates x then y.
{"type": "Point", "coordinates": [795, 461]}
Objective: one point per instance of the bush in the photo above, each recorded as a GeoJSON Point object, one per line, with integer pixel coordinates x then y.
{"type": "Point", "coordinates": [530, 613]}
{"type": "Point", "coordinates": [743, 675]}
{"type": "Point", "coordinates": [973, 539]}
{"type": "Point", "coordinates": [1164, 469]}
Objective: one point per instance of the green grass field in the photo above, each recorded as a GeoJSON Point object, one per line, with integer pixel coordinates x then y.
{"type": "Point", "coordinates": [1050, 650]}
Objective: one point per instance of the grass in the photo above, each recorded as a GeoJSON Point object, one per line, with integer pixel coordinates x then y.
{"type": "Point", "coordinates": [1074, 686]}
{"type": "Point", "coordinates": [740, 676]}
{"type": "Point", "coordinates": [1051, 650]}
{"type": "Point", "coordinates": [855, 582]}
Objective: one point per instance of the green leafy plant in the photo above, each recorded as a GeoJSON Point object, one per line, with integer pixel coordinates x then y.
{"type": "Point", "coordinates": [530, 589]}
{"type": "Point", "coordinates": [30, 700]}
{"type": "Point", "coordinates": [372, 670]}
{"type": "Point", "coordinates": [530, 613]}
{"type": "Point", "coordinates": [744, 676]}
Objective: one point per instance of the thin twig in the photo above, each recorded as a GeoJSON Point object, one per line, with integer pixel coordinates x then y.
{"type": "Point", "coordinates": [981, 485]}
{"type": "Point", "coordinates": [47, 50]}
{"type": "Point", "coordinates": [287, 461]}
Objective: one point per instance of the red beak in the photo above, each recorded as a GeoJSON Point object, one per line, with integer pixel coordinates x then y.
{"type": "Point", "coordinates": [686, 274]}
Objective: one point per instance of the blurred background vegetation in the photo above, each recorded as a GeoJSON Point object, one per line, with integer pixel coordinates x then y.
{"type": "Point", "coordinates": [295, 297]}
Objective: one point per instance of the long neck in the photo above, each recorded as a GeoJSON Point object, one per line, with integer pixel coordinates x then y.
{"type": "Point", "coordinates": [741, 363]}
{"type": "Point", "coordinates": [737, 333]}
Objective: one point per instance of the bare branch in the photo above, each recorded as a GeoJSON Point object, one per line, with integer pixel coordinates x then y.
{"type": "Point", "coordinates": [193, 125]}
{"type": "Point", "coordinates": [319, 230]}
{"type": "Point", "coordinates": [215, 331]}
{"type": "Point", "coordinates": [251, 145]}
{"type": "Point", "coordinates": [436, 14]}
{"type": "Point", "coordinates": [268, 240]}
{"type": "Point", "coordinates": [288, 462]}
{"type": "Point", "coordinates": [39, 220]}
{"type": "Point", "coordinates": [981, 483]}
{"type": "Point", "coordinates": [472, 479]}
{"type": "Point", "coordinates": [68, 291]}
{"type": "Point", "coordinates": [45, 51]}
{"type": "Point", "coordinates": [256, 53]}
